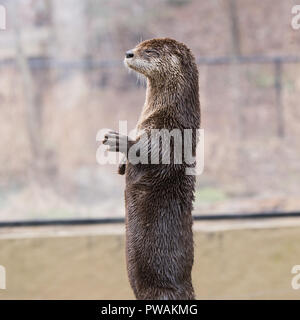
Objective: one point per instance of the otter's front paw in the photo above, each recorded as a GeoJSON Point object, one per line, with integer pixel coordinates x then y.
{"type": "Point", "coordinates": [116, 142]}
{"type": "Point", "coordinates": [122, 169]}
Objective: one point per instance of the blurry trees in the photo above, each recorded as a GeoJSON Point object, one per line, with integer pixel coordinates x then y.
{"type": "Point", "coordinates": [34, 89]}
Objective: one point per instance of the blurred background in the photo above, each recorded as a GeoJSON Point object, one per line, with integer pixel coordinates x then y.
{"type": "Point", "coordinates": [63, 79]}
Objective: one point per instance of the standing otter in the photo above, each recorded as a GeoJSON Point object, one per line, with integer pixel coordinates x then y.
{"type": "Point", "coordinates": [159, 239]}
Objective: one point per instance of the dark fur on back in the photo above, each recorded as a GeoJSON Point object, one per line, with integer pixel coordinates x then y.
{"type": "Point", "coordinates": [159, 197]}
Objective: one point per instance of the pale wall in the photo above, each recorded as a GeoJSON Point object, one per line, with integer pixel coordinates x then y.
{"type": "Point", "coordinates": [232, 260]}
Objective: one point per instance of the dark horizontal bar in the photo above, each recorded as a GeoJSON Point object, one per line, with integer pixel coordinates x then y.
{"type": "Point", "coordinates": [60, 222]}
{"type": "Point", "coordinates": [45, 62]}
{"type": "Point", "coordinates": [74, 222]}
{"type": "Point", "coordinates": [254, 215]}
{"type": "Point", "coordinates": [247, 60]}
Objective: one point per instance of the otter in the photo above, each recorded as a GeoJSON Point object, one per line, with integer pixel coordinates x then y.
{"type": "Point", "coordinates": [159, 197]}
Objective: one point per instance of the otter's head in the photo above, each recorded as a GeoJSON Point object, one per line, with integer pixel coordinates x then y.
{"type": "Point", "coordinates": [161, 59]}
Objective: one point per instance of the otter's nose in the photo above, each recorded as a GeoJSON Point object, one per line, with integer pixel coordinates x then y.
{"type": "Point", "coordinates": [129, 54]}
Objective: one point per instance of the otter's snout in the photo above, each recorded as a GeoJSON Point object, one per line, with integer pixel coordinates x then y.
{"type": "Point", "coordinates": [129, 54]}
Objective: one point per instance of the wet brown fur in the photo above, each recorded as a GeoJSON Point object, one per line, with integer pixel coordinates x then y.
{"type": "Point", "coordinates": [159, 239]}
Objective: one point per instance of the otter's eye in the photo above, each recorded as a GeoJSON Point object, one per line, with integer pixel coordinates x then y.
{"type": "Point", "coordinates": [152, 52]}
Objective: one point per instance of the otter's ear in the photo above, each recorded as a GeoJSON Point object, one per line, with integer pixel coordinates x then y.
{"type": "Point", "coordinates": [186, 57]}
{"type": "Point", "coordinates": [183, 57]}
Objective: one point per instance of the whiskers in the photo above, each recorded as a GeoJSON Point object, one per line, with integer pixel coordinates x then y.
{"type": "Point", "coordinates": [126, 65]}
{"type": "Point", "coordinates": [141, 80]}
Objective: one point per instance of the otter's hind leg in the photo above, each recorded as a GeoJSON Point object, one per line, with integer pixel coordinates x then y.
{"type": "Point", "coordinates": [131, 271]}
{"type": "Point", "coordinates": [131, 277]}
{"type": "Point", "coordinates": [186, 293]}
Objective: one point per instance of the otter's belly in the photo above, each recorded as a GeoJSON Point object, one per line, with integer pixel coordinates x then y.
{"type": "Point", "coordinates": [159, 226]}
